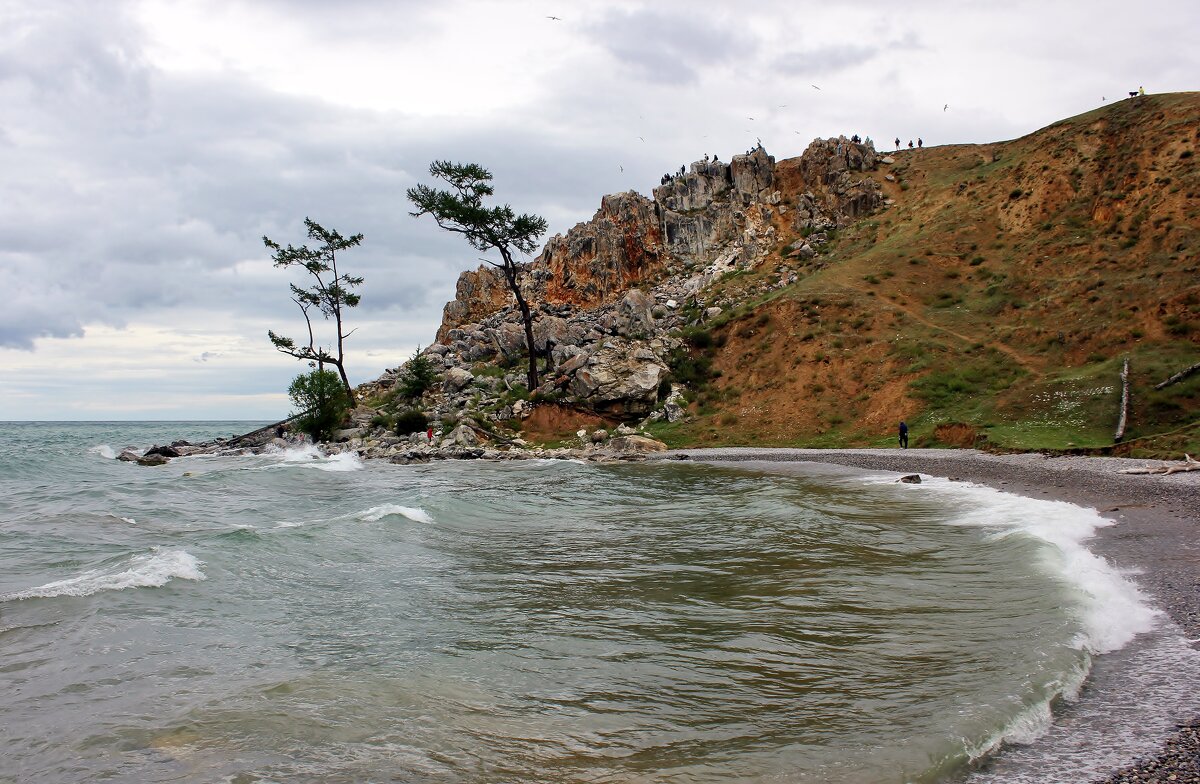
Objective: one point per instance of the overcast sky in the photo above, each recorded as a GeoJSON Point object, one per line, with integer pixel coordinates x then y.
{"type": "Point", "coordinates": [146, 148]}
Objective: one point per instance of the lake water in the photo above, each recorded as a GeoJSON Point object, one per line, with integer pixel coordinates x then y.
{"type": "Point", "coordinates": [292, 617]}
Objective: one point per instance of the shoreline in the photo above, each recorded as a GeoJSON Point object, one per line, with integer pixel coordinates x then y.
{"type": "Point", "coordinates": [1157, 539]}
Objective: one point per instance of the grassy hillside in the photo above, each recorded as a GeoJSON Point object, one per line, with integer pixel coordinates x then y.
{"type": "Point", "coordinates": [993, 302]}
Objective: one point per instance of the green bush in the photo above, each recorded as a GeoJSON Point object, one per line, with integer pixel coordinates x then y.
{"type": "Point", "coordinates": [322, 402]}
{"type": "Point", "coordinates": [419, 376]}
{"type": "Point", "coordinates": [411, 421]}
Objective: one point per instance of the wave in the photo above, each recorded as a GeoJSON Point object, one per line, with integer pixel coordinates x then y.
{"type": "Point", "coordinates": [1115, 611]}
{"type": "Point", "coordinates": [104, 450]}
{"type": "Point", "coordinates": [310, 456]}
{"type": "Point", "coordinates": [147, 570]}
{"type": "Point", "coordinates": [376, 513]}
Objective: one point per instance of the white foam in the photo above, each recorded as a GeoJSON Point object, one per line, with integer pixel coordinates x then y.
{"type": "Point", "coordinates": [104, 450]}
{"type": "Point", "coordinates": [376, 513]}
{"type": "Point", "coordinates": [1114, 610]}
{"type": "Point", "coordinates": [147, 570]}
{"type": "Point", "coordinates": [311, 456]}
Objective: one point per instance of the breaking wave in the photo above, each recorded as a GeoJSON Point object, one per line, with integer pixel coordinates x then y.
{"type": "Point", "coordinates": [147, 570]}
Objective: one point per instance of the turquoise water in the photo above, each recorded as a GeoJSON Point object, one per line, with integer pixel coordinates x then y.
{"type": "Point", "coordinates": [291, 617]}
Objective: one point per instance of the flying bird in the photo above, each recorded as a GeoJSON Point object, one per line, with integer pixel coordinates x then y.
{"type": "Point", "coordinates": [749, 118]}
{"type": "Point", "coordinates": [815, 87]}
{"type": "Point", "coordinates": [944, 108]}
{"type": "Point", "coordinates": [555, 18]}
{"type": "Point", "coordinates": [641, 138]}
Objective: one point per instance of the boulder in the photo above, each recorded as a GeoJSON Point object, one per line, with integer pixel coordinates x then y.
{"type": "Point", "coordinates": [634, 445]}
{"type": "Point", "coordinates": [129, 455]}
{"type": "Point", "coordinates": [911, 479]}
{"type": "Point", "coordinates": [153, 460]}
{"type": "Point", "coordinates": [461, 436]}
{"type": "Point", "coordinates": [456, 379]}
{"type": "Point", "coordinates": [635, 314]}
{"type": "Point", "coordinates": [509, 339]}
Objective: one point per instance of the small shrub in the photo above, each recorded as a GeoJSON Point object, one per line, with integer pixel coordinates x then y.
{"type": "Point", "coordinates": [322, 401]}
{"type": "Point", "coordinates": [975, 262]}
{"type": "Point", "coordinates": [418, 377]}
{"type": "Point", "coordinates": [411, 421]}
{"type": "Point", "coordinates": [1016, 193]}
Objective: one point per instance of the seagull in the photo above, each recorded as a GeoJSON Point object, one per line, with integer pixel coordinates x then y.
{"type": "Point", "coordinates": [749, 118]}
{"type": "Point", "coordinates": [783, 106]}
{"type": "Point", "coordinates": [641, 138]}
{"type": "Point", "coordinates": [815, 87]}
{"type": "Point", "coordinates": [622, 168]}
{"type": "Point", "coordinates": [555, 18]}
{"type": "Point", "coordinates": [944, 108]}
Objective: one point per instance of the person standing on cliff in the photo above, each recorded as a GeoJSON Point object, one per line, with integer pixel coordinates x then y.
{"type": "Point", "coordinates": [920, 143]}
{"type": "Point", "coordinates": [897, 142]}
{"type": "Point", "coordinates": [903, 436]}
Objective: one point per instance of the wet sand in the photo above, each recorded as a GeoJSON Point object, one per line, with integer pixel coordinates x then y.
{"type": "Point", "coordinates": [1158, 535]}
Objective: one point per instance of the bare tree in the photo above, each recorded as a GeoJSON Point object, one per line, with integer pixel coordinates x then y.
{"type": "Point", "coordinates": [330, 294]}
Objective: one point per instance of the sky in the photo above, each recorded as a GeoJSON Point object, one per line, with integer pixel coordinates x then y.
{"type": "Point", "coordinates": [147, 146]}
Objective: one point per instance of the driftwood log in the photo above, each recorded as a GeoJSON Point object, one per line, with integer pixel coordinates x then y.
{"type": "Point", "coordinates": [1180, 376]}
{"type": "Point", "coordinates": [1188, 464]}
{"type": "Point", "coordinates": [1120, 433]}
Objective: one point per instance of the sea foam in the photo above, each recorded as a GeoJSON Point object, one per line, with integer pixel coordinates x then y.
{"type": "Point", "coordinates": [104, 450]}
{"type": "Point", "coordinates": [309, 456]}
{"type": "Point", "coordinates": [146, 570]}
{"type": "Point", "coordinates": [376, 513]}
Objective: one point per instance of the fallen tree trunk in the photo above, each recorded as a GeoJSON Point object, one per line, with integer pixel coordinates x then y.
{"type": "Point", "coordinates": [1124, 403]}
{"type": "Point", "coordinates": [1180, 376]}
{"type": "Point", "coordinates": [1188, 464]}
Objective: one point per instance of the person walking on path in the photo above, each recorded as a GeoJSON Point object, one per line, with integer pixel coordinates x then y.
{"type": "Point", "coordinates": [920, 143]}
{"type": "Point", "coordinates": [903, 436]}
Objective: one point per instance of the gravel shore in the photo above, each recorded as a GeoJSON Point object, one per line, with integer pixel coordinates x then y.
{"type": "Point", "coordinates": [1158, 535]}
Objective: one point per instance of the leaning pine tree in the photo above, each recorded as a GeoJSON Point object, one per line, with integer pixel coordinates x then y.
{"type": "Point", "coordinates": [461, 211]}
{"type": "Point", "coordinates": [330, 294]}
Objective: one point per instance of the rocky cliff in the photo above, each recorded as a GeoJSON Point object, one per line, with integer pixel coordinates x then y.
{"type": "Point", "coordinates": [981, 292]}
{"type": "Point", "coordinates": [612, 294]}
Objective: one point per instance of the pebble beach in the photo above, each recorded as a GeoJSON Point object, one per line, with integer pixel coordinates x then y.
{"type": "Point", "coordinates": [1157, 536]}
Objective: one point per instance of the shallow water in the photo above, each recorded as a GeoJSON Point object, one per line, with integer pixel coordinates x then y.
{"type": "Point", "coordinates": [295, 618]}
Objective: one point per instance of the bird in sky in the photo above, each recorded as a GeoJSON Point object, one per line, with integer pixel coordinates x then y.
{"type": "Point", "coordinates": [815, 87]}
{"type": "Point", "coordinates": [622, 168]}
{"type": "Point", "coordinates": [641, 138]}
{"type": "Point", "coordinates": [749, 118]}
{"type": "Point", "coordinates": [944, 108]}
{"type": "Point", "coordinates": [555, 18]}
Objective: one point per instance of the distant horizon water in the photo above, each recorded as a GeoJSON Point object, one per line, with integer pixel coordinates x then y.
{"type": "Point", "coordinates": [296, 616]}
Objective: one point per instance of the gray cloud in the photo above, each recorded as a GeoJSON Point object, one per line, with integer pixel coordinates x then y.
{"type": "Point", "coordinates": [136, 198]}
{"type": "Point", "coordinates": [670, 46]}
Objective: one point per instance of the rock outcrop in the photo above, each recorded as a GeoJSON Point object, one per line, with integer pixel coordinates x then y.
{"type": "Point", "coordinates": [610, 294]}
